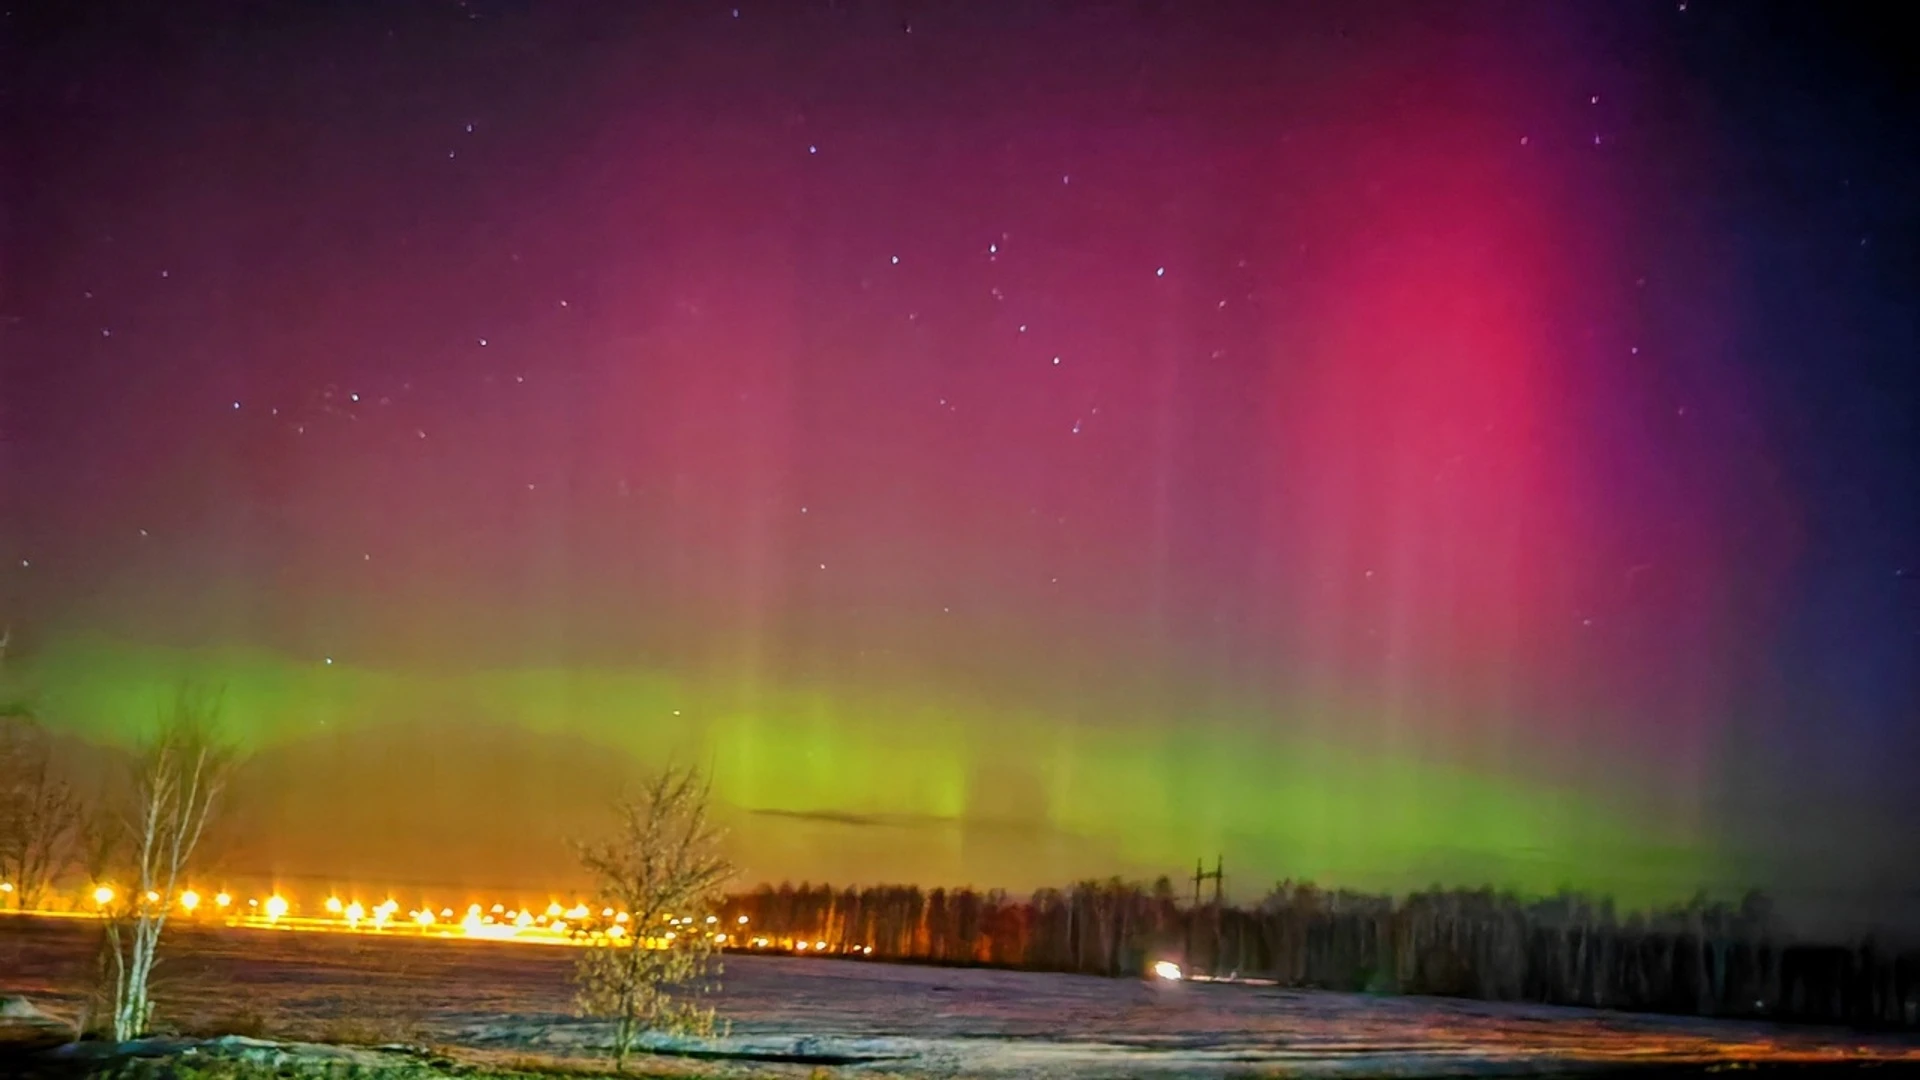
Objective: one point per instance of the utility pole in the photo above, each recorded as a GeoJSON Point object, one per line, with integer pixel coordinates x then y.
{"type": "Point", "coordinates": [1202, 874]}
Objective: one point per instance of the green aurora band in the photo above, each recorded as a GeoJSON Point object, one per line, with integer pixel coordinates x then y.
{"type": "Point", "coordinates": [850, 788]}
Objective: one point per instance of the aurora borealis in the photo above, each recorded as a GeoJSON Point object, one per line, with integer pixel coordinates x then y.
{"type": "Point", "coordinates": [1005, 442]}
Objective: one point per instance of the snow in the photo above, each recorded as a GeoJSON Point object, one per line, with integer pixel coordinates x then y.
{"type": "Point", "coordinates": [913, 1021]}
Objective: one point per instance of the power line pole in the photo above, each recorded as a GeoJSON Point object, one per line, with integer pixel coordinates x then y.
{"type": "Point", "coordinates": [1202, 874]}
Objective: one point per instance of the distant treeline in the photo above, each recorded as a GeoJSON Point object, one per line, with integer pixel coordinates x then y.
{"type": "Point", "coordinates": [1709, 959]}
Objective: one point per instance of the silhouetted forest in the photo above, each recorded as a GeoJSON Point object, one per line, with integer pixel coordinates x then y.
{"type": "Point", "coordinates": [1710, 959]}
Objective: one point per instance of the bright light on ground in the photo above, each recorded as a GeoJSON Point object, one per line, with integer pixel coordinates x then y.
{"type": "Point", "coordinates": [1167, 969]}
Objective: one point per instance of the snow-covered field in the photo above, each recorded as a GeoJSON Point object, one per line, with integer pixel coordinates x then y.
{"type": "Point", "coordinates": [897, 1019]}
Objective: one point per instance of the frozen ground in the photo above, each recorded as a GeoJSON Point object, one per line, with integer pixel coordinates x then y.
{"type": "Point", "coordinates": [901, 1020]}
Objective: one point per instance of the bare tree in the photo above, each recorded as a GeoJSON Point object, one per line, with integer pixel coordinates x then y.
{"type": "Point", "coordinates": [178, 778]}
{"type": "Point", "coordinates": [39, 815]}
{"type": "Point", "coordinates": [663, 867]}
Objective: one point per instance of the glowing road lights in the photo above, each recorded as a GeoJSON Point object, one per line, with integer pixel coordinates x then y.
{"type": "Point", "coordinates": [1166, 969]}
{"type": "Point", "coordinates": [578, 925]}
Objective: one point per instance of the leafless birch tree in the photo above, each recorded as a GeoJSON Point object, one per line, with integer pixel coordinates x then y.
{"type": "Point", "coordinates": [179, 776]}
{"type": "Point", "coordinates": [663, 867]}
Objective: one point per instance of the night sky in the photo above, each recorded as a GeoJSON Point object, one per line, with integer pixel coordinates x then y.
{"type": "Point", "coordinates": [1005, 442]}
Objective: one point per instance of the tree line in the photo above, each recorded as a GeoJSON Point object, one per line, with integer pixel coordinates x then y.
{"type": "Point", "coordinates": [1702, 958]}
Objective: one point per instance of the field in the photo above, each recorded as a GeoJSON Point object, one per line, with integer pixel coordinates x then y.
{"type": "Point", "coordinates": [858, 1017]}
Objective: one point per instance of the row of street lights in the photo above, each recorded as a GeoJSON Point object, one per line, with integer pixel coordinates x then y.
{"type": "Point", "coordinates": [498, 922]}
